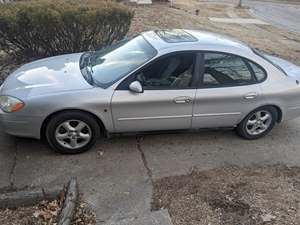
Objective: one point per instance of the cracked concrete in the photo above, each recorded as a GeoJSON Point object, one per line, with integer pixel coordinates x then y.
{"type": "Point", "coordinates": [13, 167]}
{"type": "Point", "coordinates": [161, 217]}
{"type": "Point", "coordinates": [116, 175]}
{"type": "Point", "coordinates": [114, 182]}
{"type": "Point", "coordinates": [143, 157]}
{"type": "Point", "coordinates": [176, 154]}
{"type": "Point", "coordinates": [7, 147]}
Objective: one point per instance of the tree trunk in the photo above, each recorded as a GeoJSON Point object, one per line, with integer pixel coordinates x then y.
{"type": "Point", "coordinates": [240, 4]}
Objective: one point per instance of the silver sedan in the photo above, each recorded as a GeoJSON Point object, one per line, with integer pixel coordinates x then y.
{"type": "Point", "coordinates": [158, 80]}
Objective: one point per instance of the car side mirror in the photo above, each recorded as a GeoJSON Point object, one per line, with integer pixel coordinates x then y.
{"type": "Point", "coordinates": [136, 87]}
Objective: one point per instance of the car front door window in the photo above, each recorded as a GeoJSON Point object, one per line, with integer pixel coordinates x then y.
{"type": "Point", "coordinates": [171, 72]}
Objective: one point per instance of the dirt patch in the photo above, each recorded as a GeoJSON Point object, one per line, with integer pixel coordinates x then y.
{"type": "Point", "coordinates": [232, 195]}
{"type": "Point", "coordinates": [45, 213]}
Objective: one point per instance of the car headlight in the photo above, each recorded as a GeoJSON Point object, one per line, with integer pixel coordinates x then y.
{"type": "Point", "coordinates": [10, 104]}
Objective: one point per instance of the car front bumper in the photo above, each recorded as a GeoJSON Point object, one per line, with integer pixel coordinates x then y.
{"type": "Point", "coordinates": [23, 126]}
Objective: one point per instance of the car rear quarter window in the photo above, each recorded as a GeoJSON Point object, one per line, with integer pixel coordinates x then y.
{"type": "Point", "coordinates": [259, 72]}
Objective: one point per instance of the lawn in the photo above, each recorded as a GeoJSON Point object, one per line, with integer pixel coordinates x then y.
{"type": "Point", "coordinates": [266, 38]}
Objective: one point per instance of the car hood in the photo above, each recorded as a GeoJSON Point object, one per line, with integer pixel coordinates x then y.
{"type": "Point", "coordinates": [289, 68]}
{"type": "Point", "coordinates": [49, 75]}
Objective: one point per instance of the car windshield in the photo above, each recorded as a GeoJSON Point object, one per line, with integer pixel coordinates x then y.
{"type": "Point", "coordinates": [104, 67]}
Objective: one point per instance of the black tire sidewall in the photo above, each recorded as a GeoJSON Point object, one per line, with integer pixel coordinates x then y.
{"type": "Point", "coordinates": [64, 116]}
{"type": "Point", "coordinates": [241, 128]}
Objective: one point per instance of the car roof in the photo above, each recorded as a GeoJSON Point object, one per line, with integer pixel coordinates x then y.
{"type": "Point", "coordinates": [160, 39]}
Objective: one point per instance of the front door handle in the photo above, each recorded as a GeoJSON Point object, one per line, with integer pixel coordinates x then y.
{"type": "Point", "coordinates": [251, 95]}
{"type": "Point", "coordinates": [183, 100]}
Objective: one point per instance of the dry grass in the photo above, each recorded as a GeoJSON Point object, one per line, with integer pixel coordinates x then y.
{"type": "Point", "coordinates": [46, 213]}
{"type": "Point", "coordinates": [227, 196]}
{"type": "Point", "coordinates": [269, 39]}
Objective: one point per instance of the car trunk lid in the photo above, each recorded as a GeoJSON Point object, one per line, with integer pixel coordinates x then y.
{"type": "Point", "coordinates": [289, 68]}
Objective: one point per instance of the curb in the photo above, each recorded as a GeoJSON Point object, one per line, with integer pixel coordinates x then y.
{"type": "Point", "coordinates": [27, 197]}
{"type": "Point", "coordinates": [15, 199]}
{"type": "Point", "coordinates": [69, 204]}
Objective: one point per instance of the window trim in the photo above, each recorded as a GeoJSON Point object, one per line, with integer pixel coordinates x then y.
{"type": "Point", "coordinates": [124, 85]}
{"type": "Point", "coordinates": [245, 60]}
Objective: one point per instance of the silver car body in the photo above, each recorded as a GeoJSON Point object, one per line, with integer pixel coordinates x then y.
{"type": "Point", "coordinates": [56, 84]}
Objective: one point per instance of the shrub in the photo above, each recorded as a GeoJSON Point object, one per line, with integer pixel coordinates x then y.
{"type": "Point", "coordinates": [51, 27]}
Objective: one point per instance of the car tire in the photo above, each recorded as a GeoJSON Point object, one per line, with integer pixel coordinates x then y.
{"type": "Point", "coordinates": [258, 123]}
{"type": "Point", "coordinates": [72, 132]}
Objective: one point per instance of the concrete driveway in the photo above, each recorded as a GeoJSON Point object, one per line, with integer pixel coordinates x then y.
{"type": "Point", "coordinates": [283, 15]}
{"type": "Point", "coordinates": [116, 175]}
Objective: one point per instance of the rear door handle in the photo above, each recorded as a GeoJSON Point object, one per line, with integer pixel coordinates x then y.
{"type": "Point", "coordinates": [183, 100]}
{"type": "Point", "coordinates": [251, 95]}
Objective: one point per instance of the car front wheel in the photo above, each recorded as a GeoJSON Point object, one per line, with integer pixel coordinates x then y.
{"type": "Point", "coordinates": [258, 123]}
{"type": "Point", "coordinates": [72, 132]}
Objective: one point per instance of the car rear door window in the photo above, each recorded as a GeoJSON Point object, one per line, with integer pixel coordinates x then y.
{"type": "Point", "coordinates": [222, 69]}
{"type": "Point", "coordinates": [170, 72]}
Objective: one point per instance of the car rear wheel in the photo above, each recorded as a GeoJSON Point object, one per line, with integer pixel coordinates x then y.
{"type": "Point", "coordinates": [72, 132]}
{"type": "Point", "coordinates": [258, 123]}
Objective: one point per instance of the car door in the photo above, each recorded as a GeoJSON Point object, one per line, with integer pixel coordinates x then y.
{"type": "Point", "coordinates": [169, 88]}
{"type": "Point", "coordinates": [229, 90]}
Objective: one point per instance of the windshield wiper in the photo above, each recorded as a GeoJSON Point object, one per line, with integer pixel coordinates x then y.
{"type": "Point", "coordinates": [86, 68]}
{"type": "Point", "coordinates": [89, 64]}
{"type": "Point", "coordinates": [90, 67]}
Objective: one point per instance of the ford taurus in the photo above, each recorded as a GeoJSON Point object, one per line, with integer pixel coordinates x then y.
{"type": "Point", "coordinates": [158, 80]}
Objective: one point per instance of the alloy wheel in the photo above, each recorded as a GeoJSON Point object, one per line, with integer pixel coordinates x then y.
{"type": "Point", "coordinates": [258, 122]}
{"type": "Point", "coordinates": [73, 134]}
